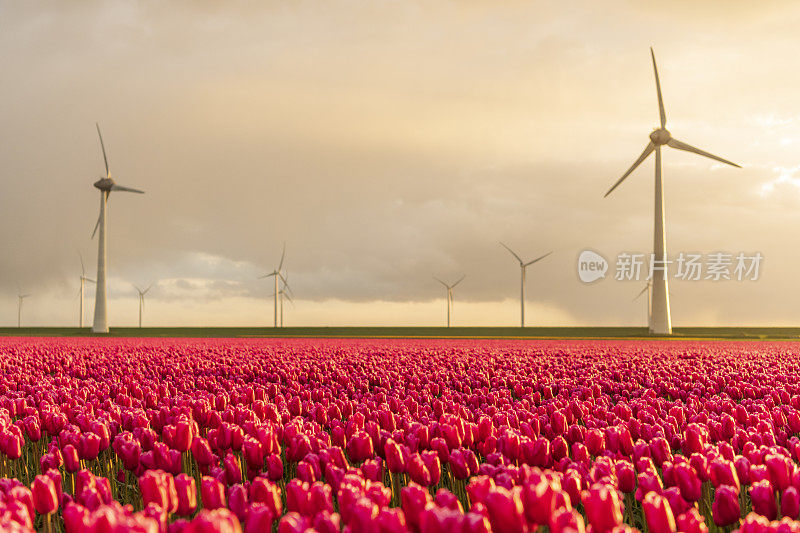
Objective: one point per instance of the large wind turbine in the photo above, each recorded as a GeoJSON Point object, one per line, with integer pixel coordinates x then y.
{"type": "Point", "coordinates": [277, 273]}
{"type": "Point", "coordinates": [20, 297]}
{"type": "Point", "coordinates": [661, 322]}
{"type": "Point", "coordinates": [84, 279]}
{"type": "Point", "coordinates": [141, 300]}
{"type": "Point", "coordinates": [105, 185]}
{"type": "Point", "coordinates": [522, 266]}
{"type": "Point", "coordinates": [449, 289]}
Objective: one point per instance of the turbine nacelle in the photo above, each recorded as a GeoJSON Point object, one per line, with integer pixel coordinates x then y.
{"type": "Point", "coordinates": [104, 184]}
{"type": "Point", "coordinates": [660, 136]}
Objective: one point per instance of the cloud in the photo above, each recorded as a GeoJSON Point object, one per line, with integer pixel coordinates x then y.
{"type": "Point", "coordinates": [388, 143]}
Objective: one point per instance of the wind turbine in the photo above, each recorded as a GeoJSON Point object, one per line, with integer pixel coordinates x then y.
{"type": "Point", "coordinates": [277, 274]}
{"type": "Point", "coordinates": [105, 185]}
{"type": "Point", "coordinates": [522, 266]}
{"type": "Point", "coordinates": [661, 323]}
{"type": "Point", "coordinates": [20, 297]}
{"type": "Point", "coordinates": [649, 290]}
{"type": "Point", "coordinates": [141, 300]}
{"type": "Point", "coordinates": [284, 293]}
{"type": "Point", "coordinates": [84, 279]}
{"type": "Point", "coordinates": [449, 289]}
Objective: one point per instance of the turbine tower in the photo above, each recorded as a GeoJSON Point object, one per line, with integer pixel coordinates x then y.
{"type": "Point", "coordinates": [449, 289]}
{"type": "Point", "coordinates": [20, 297]}
{"type": "Point", "coordinates": [522, 266]}
{"type": "Point", "coordinates": [661, 323]}
{"type": "Point", "coordinates": [141, 300]}
{"type": "Point", "coordinates": [106, 186]}
{"type": "Point", "coordinates": [277, 273]}
{"type": "Point", "coordinates": [84, 279]}
{"type": "Point", "coordinates": [649, 290]}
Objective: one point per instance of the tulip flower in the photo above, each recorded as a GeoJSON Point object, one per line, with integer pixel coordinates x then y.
{"type": "Point", "coordinates": [658, 514]}
{"type": "Point", "coordinates": [763, 499]}
{"type": "Point", "coordinates": [45, 497]}
{"type": "Point", "coordinates": [790, 503]}
{"type": "Point", "coordinates": [726, 505]}
{"type": "Point", "coordinates": [603, 508]}
{"type": "Point", "coordinates": [186, 492]}
{"type": "Point", "coordinates": [212, 493]}
{"type": "Point", "coordinates": [505, 510]}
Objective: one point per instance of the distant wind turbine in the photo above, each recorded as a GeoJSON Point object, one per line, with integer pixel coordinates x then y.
{"type": "Point", "coordinates": [523, 266]}
{"type": "Point", "coordinates": [105, 185]}
{"type": "Point", "coordinates": [661, 320]}
{"type": "Point", "coordinates": [277, 273]}
{"type": "Point", "coordinates": [20, 297]}
{"type": "Point", "coordinates": [284, 293]}
{"type": "Point", "coordinates": [84, 279]}
{"type": "Point", "coordinates": [647, 289]}
{"type": "Point", "coordinates": [141, 300]}
{"type": "Point", "coordinates": [449, 289]}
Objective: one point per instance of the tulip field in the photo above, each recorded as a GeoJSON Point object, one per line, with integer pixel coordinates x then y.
{"type": "Point", "coordinates": [388, 436]}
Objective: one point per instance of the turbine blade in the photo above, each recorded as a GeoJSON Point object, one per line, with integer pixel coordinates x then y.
{"type": "Point", "coordinates": [148, 288]}
{"type": "Point", "coordinates": [97, 225]}
{"type": "Point", "coordinates": [138, 290]}
{"type": "Point", "coordinates": [675, 143]}
{"type": "Point", "coordinates": [83, 270]}
{"type": "Point", "coordinates": [90, 280]}
{"type": "Point", "coordinates": [537, 259]}
{"type": "Point", "coordinates": [283, 254]}
{"type": "Point", "coordinates": [642, 292]}
{"type": "Point", "coordinates": [440, 281]}
{"type": "Point", "coordinates": [512, 252]}
{"type": "Point", "coordinates": [647, 151]}
{"type": "Point", "coordinates": [661, 112]}
{"type": "Point", "coordinates": [103, 146]}
{"type": "Point", "coordinates": [459, 281]}
{"type": "Point", "coordinates": [116, 187]}
{"type": "Point", "coordinates": [267, 275]}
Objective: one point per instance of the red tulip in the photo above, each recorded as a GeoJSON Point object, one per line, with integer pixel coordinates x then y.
{"type": "Point", "coordinates": [790, 503]}
{"type": "Point", "coordinates": [658, 514]}
{"type": "Point", "coordinates": [259, 519]}
{"type": "Point", "coordinates": [763, 499]}
{"type": "Point", "coordinates": [603, 509]}
{"type": "Point", "coordinates": [688, 482]}
{"type": "Point", "coordinates": [186, 492]}
{"type": "Point", "coordinates": [45, 498]}
{"type": "Point", "coordinates": [71, 462]}
{"type": "Point", "coordinates": [726, 506]}
{"type": "Point", "coordinates": [212, 493]}
{"type": "Point", "coordinates": [780, 470]}
{"type": "Point", "coordinates": [505, 510]}
{"type": "Point", "coordinates": [724, 473]}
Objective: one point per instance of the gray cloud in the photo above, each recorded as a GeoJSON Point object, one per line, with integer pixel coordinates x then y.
{"type": "Point", "coordinates": [387, 143]}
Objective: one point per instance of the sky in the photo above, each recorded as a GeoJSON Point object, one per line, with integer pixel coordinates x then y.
{"type": "Point", "coordinates": [387, 143]}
